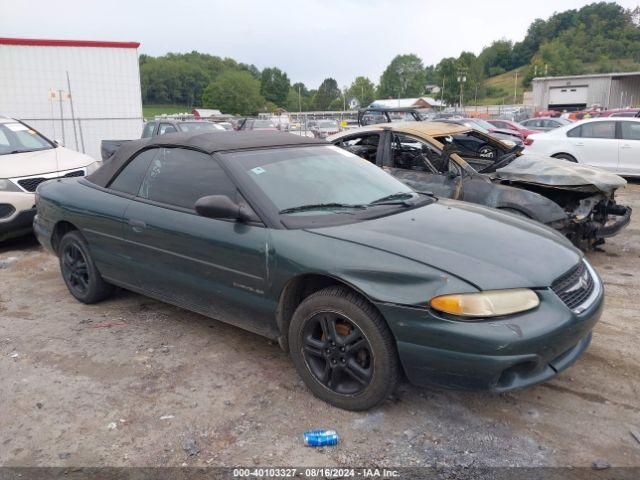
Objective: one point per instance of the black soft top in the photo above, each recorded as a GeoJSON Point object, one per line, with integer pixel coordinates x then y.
{"type": "Point", "coordinates": [208, 142]}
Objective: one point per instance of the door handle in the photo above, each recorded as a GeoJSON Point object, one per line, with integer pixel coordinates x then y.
{"type": "Point", "coordinates": [579, 144]}
{"type": "Point", "coordinates": [137, 225]}
{"type": "Point", "coordinates": [626, 145]}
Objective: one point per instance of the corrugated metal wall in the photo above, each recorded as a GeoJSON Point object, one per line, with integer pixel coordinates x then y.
{"type": "Point", "coordinates": [105, 84]}
{"type": "Point", "coordinates": [606, 91]}
{"type": "Point", "coordinates": [598, 90]}
{"type": "Point", "coordinates": [625, 92]}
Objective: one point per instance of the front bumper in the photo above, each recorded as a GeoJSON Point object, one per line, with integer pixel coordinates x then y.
{"type": "Point", "coordinates": [19, 221]}
{"type": "Point", "coordinates": [624, 217]}
{"type": "Point", "coordinates": [498, 355]}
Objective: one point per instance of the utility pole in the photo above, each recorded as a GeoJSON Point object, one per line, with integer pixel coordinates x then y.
{"type": "Point", "coordinates": [462, 78]}
{"type": "Point", "coordinates": [515, 89]}
{"type": "Point", "coordinates": [299, 100]}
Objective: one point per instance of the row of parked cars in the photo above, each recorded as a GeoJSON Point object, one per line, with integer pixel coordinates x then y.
{"type": "Point", "coordinates": [354, 252]}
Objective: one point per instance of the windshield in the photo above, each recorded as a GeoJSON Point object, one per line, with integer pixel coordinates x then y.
{"type": "Point", "coordinates": [474, 125]}
{"type": "Point", "coordinates": [483, 123]}
{"type": "Point", "coordinates": [316, 176]}
{"type": "Point", "coordinates": [15, 137]}
{"type": "Point", "coordinates": [194, 126]}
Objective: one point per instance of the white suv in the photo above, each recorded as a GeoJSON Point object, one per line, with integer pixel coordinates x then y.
{"type": "Point", "coordinates": [612, 144]}
{"type": "Point", "coordinates": [27, 158]}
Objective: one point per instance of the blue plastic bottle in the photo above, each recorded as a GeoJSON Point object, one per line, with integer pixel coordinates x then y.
{"type": "Point", "coordinates": [321, 438]}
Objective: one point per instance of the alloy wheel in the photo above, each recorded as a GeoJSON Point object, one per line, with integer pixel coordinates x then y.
{"type": "Point", "coordinates": [75, 269]}
{"type": "Point", "coordinates": [337, 353]}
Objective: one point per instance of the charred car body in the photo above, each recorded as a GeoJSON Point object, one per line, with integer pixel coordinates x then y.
{"type": "Point", "coordinates": [458, 162]}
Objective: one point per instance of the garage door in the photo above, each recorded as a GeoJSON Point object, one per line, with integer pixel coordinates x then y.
{"type": "Point", "coordinates": [570, 95]}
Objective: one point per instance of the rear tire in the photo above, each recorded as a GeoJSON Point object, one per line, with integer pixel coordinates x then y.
{"type": "Point", "coordinates": [78, 270]}
{"type": "Point", "coordinates": [343, 349]}
{"type": "Point", "coordinates": [566, 156]}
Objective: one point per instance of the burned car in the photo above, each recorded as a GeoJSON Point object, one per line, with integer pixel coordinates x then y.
{"type": "Point", "coordinates": [458, 162]}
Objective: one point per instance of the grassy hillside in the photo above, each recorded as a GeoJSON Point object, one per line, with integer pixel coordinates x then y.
{"type": "Point", "coordinates": [501, 87]}
{"type": "Point", "coordinates": [150, 111]}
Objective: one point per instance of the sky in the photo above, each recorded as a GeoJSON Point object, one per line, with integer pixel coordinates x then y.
{"type": "Point", "coordinates": [308, 39]}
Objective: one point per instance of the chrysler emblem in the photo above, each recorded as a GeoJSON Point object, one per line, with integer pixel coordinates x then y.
{"type": "Point", "coordinates": [581, 284]}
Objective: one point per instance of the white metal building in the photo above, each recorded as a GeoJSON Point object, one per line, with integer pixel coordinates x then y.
{"type": "Point", "coordinates": [576, 92]}
{"type": "Point", "coordinates": [77, 92]}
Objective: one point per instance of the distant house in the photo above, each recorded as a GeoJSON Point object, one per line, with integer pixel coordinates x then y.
{"type": "Point", "coordinates": [205, 112]}
{"type": "Point", "coordinates": [434, 89]}
{"type": "Point", "coordinates": [421, 102]}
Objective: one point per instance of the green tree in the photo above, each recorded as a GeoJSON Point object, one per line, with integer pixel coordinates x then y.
{"type": "Point", "coordinates": [404, 77]}
{"type": "Point", "coordinates": [235, 92]}
{"type": "Point", "coordinates": [274, 85]}
{"type": "Point", "coordinates": [327, 93]}
{"type": "Point", "coordinates": [363, 90]}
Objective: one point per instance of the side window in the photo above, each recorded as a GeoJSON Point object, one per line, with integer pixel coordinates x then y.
{"type": "Point", "coordinates": [630, 130]}
{"type": "Point", "coordinates": [129, 179]}
{"type": "Point", "coordinates": [574, 132]}
{"type": "Point", "coordinates": [365, 146]}
{"type": "Point", "coordinates": [410, 153]}
{"type": "Point", "coordinates": [180, 177]}
{"type": "Point", "coordinates": [598, 130]}
{"type": "Point", "coordinates": [166, 128]}
{"type": "Point", "coordinates": [148, 129]}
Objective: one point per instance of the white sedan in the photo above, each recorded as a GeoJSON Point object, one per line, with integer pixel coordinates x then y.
{"type": "Point", "coordinates": [607, 143]}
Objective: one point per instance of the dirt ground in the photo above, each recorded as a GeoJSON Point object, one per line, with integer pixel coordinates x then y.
{"type": "Point", "coordinates": [134, 382]}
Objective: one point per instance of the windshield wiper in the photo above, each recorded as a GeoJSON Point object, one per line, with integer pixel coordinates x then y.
{"type": "Point", "coordinates": [320, 206]}
{"type": "Point", "coordinates": [393, 199]}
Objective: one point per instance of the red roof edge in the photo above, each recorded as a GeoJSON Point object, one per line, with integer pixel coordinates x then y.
{"type": "Point", "coordinates": [66, 43]}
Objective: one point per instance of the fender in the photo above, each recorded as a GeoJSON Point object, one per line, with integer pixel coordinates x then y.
{"type": "Point", "coordinates": [533, 205]}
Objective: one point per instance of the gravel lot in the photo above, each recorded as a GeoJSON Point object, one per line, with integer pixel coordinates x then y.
{"type": "Point", "coordinates": [134, 382]}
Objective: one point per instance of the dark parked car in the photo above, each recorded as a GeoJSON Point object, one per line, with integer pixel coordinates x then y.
{"type": "Point", "coordinates": [459, 162]}
{"type": "Point", "coordinates": [160, 127]}
{"type": "Point", "coordinates": [482, 126]}
{"type": "Point", "coordinates": [356, 275]}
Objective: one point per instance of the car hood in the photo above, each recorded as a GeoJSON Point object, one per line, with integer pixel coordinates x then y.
{"type": "Point", "coordinates": [543, 170]}
{"type": "Point", "coordinates": [482, 246]}
{"type": "Point", "coordinates": [43, 161]}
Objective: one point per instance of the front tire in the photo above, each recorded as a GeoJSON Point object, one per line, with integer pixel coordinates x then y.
{"type": "Point", "coordinates": [79, 272]}
{"type": "Point", "coordinates": [343, 349]}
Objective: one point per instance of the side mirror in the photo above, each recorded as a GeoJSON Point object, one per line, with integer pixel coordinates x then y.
{"type": "Point", "coordinates": [58, 143]}
{"type": "Point", "coordinates": [220, 206]}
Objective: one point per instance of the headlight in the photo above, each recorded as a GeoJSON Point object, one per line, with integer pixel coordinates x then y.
{"type": "Point", "coordinates": [492, 303]}
{"type": "Point", "coordinates": [93, 167]}
{"type": "Point", "coordinates": [8, 186]}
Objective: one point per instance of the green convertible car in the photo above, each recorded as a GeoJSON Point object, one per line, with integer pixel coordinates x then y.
{"type": "Point", "coordinates": [357, 276]}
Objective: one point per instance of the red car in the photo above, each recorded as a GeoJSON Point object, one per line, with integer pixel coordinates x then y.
{"type": "Point", "coordinates": [516, 127]}
{"type": "Point", "coordinates": [621, 112]}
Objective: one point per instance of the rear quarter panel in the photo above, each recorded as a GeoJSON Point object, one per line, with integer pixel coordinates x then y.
{"type": "Point", "coordinates": [96, 213]}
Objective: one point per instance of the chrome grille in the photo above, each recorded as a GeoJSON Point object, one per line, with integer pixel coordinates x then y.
{"type": "Point", "coordinates": [30, 184]}
{"type": "Point", "coordinates": [575, 286]}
